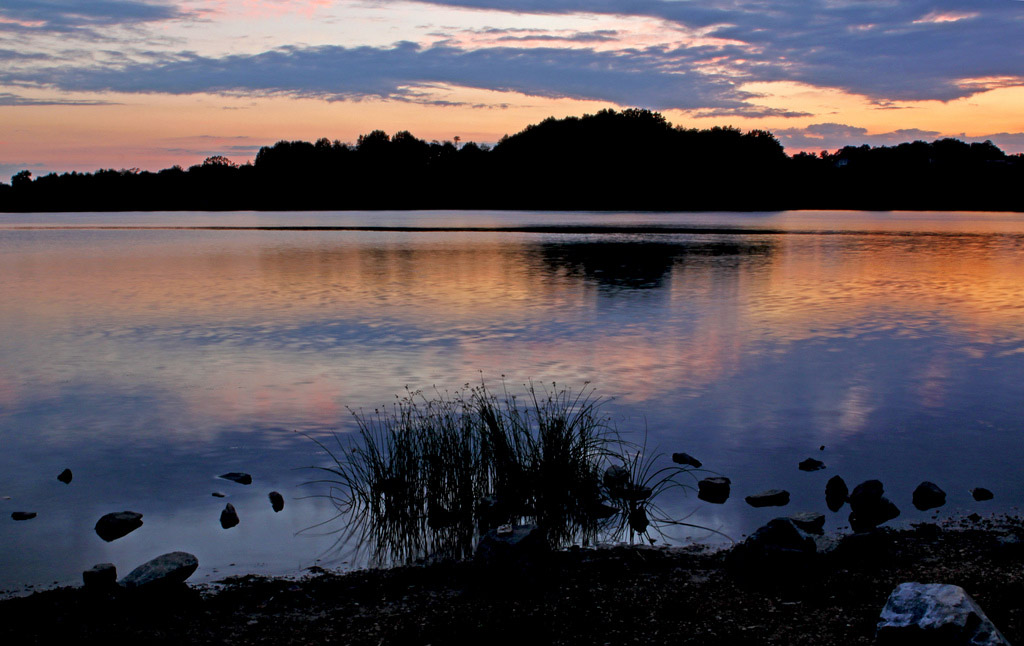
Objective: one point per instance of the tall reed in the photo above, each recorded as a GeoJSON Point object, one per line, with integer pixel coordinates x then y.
{"type": "Point", "coordinates": [427, 476]}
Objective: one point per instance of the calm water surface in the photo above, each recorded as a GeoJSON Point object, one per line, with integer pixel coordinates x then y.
{"type": "Point", "coordinates": [150, 359]}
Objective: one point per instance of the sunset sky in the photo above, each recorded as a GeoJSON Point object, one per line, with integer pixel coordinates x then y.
{"type": "Point", "coordinates": [87, 84]}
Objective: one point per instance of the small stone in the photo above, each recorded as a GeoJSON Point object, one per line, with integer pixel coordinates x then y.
{"type": "Point", "coordinates": [687, 460]}
{"type": "Point", "coordinates": [113, 526]}
{"type": "Point", "coordinates": [276, 501]}
{"type": "Point", "coordinates": [928, 495]}
{"type": "Point", "coordinates": [240, 478]}
{"type": "Point", "coordinates": [981, 494]}
{"type": "Point", "coordinates": [810, 521]}
{"type": "Point", "coordinates": [217, 494]}
{"type": "Point", "coordinates": [821, 448]}
{"type": "Point", "coordinates": [935, 613]}
{"type": "Point", "coordinates": [810, 464]}
{"type": "Point", "coordinates": [65, 476]}
{"type": "Point", "coordinates": [101, 576]}
{"type": "Point", "coordinates": [770, 498]}
{"type": "Point", "coordinates": [228, 517]}
{"type": "Point", "coordinates": [836, 493]}
{"type": "Point", "coordinates": [714, 490]}
{"type": "Point", "coordinates": [166, 569]}
{"type": "Point", "coordinates": [23, 515]}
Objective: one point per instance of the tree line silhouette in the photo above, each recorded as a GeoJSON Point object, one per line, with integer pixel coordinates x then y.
{"type": "Point", "coordinates": [613, 160]}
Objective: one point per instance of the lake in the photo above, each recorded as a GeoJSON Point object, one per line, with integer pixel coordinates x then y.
{"type": "Point", "coordinates": [149, 353]}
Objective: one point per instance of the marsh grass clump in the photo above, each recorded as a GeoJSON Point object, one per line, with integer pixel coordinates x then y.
{"type": "Point", "coordinates": [427, 477]}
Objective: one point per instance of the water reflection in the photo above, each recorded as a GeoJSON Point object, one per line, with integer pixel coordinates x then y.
{"type": "Point", "coordinates": [151, 361]}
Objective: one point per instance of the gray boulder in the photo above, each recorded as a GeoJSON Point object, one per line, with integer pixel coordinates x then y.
{"type": "Point", "coordinates": [836, 493]}
{"type": "Point", "coordinates": [240, 478]}
{"type": "Point", "coordinates": [770, 498]}
{"type": "Point", "coordinates": [714, 490]}
{"type": "Point", "coordinates": [928, 495]}
{"type": "Point", "coordinates": [779, 549]}
{"type": "Point", "coordinates": [810, 464]}
{"type": "Point", "coordinates": [276, 501]}
{"type": "Point", "coordinates": [167, 569]}
{"type": "Point", "coordinates": [981, 494]}
{"type": "Point", "coordinates": [101, 576]}
{"type": "Point", "coordinates": [228, 517]}
{"type": "Point", "coordinates": [113, 526]}
{"type": "Point", "coordinates": [686, 459]}
{"type": "Point", "coordinates": [936, 614]}
{"type": "Point", "coordinates": [810, 521]}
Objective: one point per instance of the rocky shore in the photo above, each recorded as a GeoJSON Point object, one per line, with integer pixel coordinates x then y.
{"type": "Point", "coordinates": [615, 595]}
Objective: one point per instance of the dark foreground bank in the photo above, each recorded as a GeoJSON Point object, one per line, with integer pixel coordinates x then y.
{"type": "Point", "coordinates": [616, 595]}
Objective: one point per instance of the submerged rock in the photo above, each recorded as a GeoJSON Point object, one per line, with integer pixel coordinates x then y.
{"type": "Point", "coordinates": [228, 517]}
{"type": "Point", "coordinates": [113, 526]}
{"type": "Point", "coordinates": [714, 490]}
{"type": "Point", "coordinates": [836, 493]}
{"type": "Point", "coordinates": [928, 495]}
{"type": "Point", "coordinates": [981, 494]}
{"type": "Point", "coordinates": [935, 613]}
{"type": "Point", "coordinates": [810, 464]}
{"type": "Point", "coordinates": [770, 498]}
{"type": "Point", "coordinates": [809, 521]}
{"type": "Point", "coordinates": [217, 494]}
{"type": "Point", "coordinates": [23, 515]}
{"type": "Point", "coordinates": [166, 569]}
{"type": "Point", "coordinates": [276, 501]}
{"type": "Point", "coordinates": [687, 460]}
{"type": "Point", "coordinates": [240, 478]}
{"type": "Point", "coordinates": [101, 576]}
{"type": "Point", "coordinates": [866, 493]}
{"type": "Point", "coordinates": [65, 476]}
{"type": "Point", "coordinates": [869, 508]}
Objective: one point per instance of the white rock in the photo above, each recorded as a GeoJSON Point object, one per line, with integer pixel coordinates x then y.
{"type": "Point", "coordinates": [938, 614]}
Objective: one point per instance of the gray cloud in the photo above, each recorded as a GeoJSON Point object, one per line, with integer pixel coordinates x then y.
{"type": "Point", "coordinates": [906, 50]}
{"type": "Point", "coordinates": [72, 15]}
{"type": "Point", "coordinates": [8, 99]}
{"type": "Point", "coordinates": [649, 77]}
{"type": "Point", "coordinates": [832, 136]}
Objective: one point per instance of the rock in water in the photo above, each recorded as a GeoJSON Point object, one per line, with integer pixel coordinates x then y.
{"type": "Point", "coordinates": [687, 460]}
{"type": "Point", "coordinates": [770, 498]}
{"type": "Point", "coordinates": [981, 493]}
{"type": "Point", "coordinates": [714, 490]}
{"type": "Point", "coordinates": [810, 464]}
{"type": "Point", "coordinates": [928, 496]}
{"type": "Point", "coordinates": [809, 521]}
{"type": "Point", "coordinates": [228, 517]}
{"type": "Point", "coordinates": [217, 494]}
{"type": "Point", "coordinates": [868, 517]}
{"type": "Point", "coordinates": [240, 478]}
{"type": "Point", "coordinates": [166, 569]}
{"type": "Point", "coordinates": [866, 493]}
{"type": "Point", "coordinates": [101, 576]}
{"type": "Point", "coordinates": [65, 476]}
{"type": "Point", "coordinates": [113, 526]}
{"type": "Point", "coordinates": [836, 493]}
{"type": "Point", "coordinates": [276, 501]}
{"type": "Point", "coordinates": [935, 613]}
{"type": "Point", "coordinates": [23, 515]}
